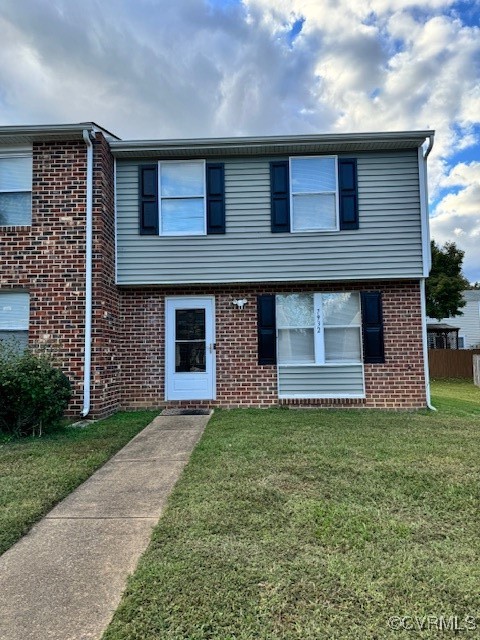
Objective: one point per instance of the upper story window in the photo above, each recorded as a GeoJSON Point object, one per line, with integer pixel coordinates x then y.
{"type": "Point", "coordinates": [314, 194]}
{"type": "Point", "coordinates": [14, 318]}
{"type": "Point", "coordinates": [15, 189]}
{"type": "Point", "coordinates": [182, 198]}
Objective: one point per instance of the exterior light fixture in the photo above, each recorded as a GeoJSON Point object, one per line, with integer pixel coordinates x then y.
{"type": "Point", "coordinates": [240, 303]}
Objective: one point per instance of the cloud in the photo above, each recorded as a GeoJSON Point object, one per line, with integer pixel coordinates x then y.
{"type": "Point", "coordinates": [457, 215]}
{"type": "Point", "coordinates": [157, 69]}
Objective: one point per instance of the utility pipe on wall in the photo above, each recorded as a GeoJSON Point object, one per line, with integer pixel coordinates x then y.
{"type": "Point", "coordinates": [423, 297]}
{"type": "Point", "coordinates": [88, 277]}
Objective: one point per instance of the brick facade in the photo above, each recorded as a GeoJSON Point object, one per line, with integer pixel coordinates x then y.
{"type": "Point", "coordinates": [48, 260]}
{"type": "Point", "coordinates": [48, 257]}
{"type": "Point", "coordinates": [128, 333]}
{"type": "Point", "coordinates": [399, 383]}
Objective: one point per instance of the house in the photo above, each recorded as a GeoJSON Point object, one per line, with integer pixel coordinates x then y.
{"type": "Point", "coordinates": [466, 326]}
{"type": "Point", "coordinates": [219, 272]}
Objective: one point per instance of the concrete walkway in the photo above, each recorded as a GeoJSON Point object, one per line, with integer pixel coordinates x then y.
{"type": "Point", "coordinates": [65, 578]}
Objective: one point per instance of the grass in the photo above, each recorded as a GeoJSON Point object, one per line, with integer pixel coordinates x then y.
{"type": "Point", "coordinates": [316, 524]}
{"type": "Point", "coordinates": [456, 397]}
{"type": "Point", "coordinates": [36, 473]}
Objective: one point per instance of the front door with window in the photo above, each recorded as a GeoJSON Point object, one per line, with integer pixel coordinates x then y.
{"type": "Point", "coordinates": [190, 349]}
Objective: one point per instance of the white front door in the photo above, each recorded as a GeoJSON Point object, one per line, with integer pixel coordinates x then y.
{"type": "Point", "coordinates": [190, 348]}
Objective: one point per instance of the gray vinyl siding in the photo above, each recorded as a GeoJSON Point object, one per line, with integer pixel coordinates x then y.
{"type": "Point", "coordinates": [469, 322]}
{"type": "Point", "coordinates": [387, 245]}
{"type": "Point", "coordinates": [341, 381]}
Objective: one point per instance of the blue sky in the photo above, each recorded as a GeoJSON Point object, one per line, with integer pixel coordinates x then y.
{"type": "Point", "coordinates": [160, 69]}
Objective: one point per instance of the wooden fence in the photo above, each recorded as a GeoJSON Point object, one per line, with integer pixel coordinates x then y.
{"type": "Point", "coordinates": [451, 363]}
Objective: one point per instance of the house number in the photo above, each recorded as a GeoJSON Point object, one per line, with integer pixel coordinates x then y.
{"type": "Point", "coordinates": [319, 321]}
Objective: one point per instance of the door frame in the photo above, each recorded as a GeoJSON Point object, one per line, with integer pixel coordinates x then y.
{"type": "Point", "coordinates": [190, 302]}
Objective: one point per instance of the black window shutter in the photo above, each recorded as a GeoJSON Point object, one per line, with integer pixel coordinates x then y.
{"type": "Point", "coordinates": [372, 321]}
{"type": "Point", "coordinates": [148, 199]}
{"type": "Point", "coordinates": [348, 193]}
{"type": "Point", "coordinates": [267, 347]}
{"type": "Point", "coordinates": [280, 196]}
{"type": "Point", "coordinates": [215, 198]}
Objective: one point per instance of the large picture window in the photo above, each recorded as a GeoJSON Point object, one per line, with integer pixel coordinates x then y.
{"type": "Point", "coordinates": [15, 189]}
{"type": "Point", "coordinates": [319, 328]}
{"type": "Point", "coordinates": [182, 198]}
{"type": "Point", "coordinates": [314, 194]}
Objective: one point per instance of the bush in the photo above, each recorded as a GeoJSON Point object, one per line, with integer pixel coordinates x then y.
{"type": "Point", "coordinates": [33, 393]}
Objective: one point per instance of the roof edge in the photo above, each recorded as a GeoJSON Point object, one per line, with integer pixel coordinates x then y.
{"type": "Point", "coordinates": [40, 132]}
{"type": "Point", "coordinates": [233, 142]}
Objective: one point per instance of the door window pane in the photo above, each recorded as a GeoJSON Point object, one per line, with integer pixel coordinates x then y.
{"type": "Point", "coordinates": [189, 356]}
{"type": "Point", "coordinates": [190, 340]}
{"type": "Point", "coordinates": [190, 324]}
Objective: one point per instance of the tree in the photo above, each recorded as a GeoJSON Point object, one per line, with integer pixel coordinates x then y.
{"type": "Point", "coordinates": [446, 282]}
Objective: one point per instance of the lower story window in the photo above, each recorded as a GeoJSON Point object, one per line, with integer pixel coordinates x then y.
{"type": "Point", "coordinates": [14, 318]}
{"type": "Point", "coordinates": [319, 328]}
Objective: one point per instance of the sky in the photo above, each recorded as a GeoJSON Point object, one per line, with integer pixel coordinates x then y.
{"type": "Point", "coordinates": [162, 69]}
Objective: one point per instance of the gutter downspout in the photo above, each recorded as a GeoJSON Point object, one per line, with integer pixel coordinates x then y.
{"type": "Point", "coordinates": [423, 299]}
{"type": "Point", "coordinates": [425, 343]}
{"type": "Point", "coordinates": [88, 277]}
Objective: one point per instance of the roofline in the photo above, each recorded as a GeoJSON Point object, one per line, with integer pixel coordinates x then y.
{"type": "Point", "coordinates": [40, 132]}
{"type": "Point", "coordinates": [416, 137]}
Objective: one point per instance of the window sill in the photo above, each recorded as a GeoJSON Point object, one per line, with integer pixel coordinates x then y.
{"type": "Point", "coordinates": [321, 364]}
{"type": "Point", "coordinates": [322, 397]}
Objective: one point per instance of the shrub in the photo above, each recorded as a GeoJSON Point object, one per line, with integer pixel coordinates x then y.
{"type": "Point", "coordinates": [33, 393]}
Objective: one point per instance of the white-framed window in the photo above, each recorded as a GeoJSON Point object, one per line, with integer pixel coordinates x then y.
{"type": "Point", "coordinates": [182, 201]}
{"type": "Point", "coordinates": [314, 199]}
{"type": "Point", "coordinates": [319, 328]}
{"type": "Point", "coordinates": [461, 341]}
{"type": "Point", "coordinates": [15, 188]}
{"type": "Point", "coordinates": [14, 318]}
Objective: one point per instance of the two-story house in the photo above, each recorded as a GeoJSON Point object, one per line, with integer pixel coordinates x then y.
{"type": "Point", "coordinates": [219, 272]}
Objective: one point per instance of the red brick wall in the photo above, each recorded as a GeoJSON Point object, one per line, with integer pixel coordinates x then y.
{"type": "Point", "coordinates": [48, 259]}
{"type": "Point", "coordinates": [399, 383]}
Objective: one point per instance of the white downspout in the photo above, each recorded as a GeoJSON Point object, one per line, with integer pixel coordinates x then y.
{"type": "Point", "coordinates": [427, 263]}
{"type": "Point", "coordinates": [423, 305]}
{"type": "Point", "coordinates": [88, 277]}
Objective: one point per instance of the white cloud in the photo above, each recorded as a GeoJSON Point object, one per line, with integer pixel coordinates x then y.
{"type": "Point", "coordinates": [457, 215]}
{"type": "Point", "coordinates": [155, 68]}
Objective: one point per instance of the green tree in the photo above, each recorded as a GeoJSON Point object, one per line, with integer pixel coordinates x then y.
{"type": "Point", "coordinates": [446, 282]}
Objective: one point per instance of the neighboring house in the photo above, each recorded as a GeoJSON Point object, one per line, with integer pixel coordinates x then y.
{"type": "Point", "coordinates": [219, 272]}
{"type": "Point", "coordinates": [466, 325]}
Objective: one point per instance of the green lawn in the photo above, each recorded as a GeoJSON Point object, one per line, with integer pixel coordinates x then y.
{"type": "Point", "coordinates": [317, 524]}
{"type": "Point", "coordinates": [35, 473]}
